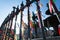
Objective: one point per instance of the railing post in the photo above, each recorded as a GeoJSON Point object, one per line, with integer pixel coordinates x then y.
{"type": "Point", "coordinates": [28, 2]}
{"type": "Point", "coordinates": [20, 38]}
{"type": "Point", "coordinates": [40, 19]}
{"type": "Point", "coordinates": [17, 11]}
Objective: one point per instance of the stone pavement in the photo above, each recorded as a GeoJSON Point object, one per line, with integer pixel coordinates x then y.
{"type": "Point", "coordinates": [49, 38]}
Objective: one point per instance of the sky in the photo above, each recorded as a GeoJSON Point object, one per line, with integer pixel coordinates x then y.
{"type": "Point", "coordinates": [6, 8]}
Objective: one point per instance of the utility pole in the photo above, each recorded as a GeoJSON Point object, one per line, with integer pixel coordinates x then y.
{"type": "Point", "coordinates": [40, 19]}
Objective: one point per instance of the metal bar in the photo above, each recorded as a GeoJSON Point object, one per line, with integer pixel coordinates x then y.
{"type": "Point", "coordinates": [28, 23]}
{"type": "Point", "coordinates": [40, 18]}
{"type": "Point", "coordinates": [21, 21]}
{"type": "Point", "coordinates": [21, 26]}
